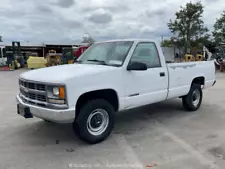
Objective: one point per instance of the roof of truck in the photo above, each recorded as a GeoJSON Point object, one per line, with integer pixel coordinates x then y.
{"type": "Point", "coordinates": [116, 40]}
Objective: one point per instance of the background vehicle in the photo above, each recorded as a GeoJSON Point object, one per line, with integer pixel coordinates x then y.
{"type": "Point", "coordinates": [3, 58]}
{"type": "Point", "coordinates": [14, 56]}
{"type": "Point", "coordinates": [109, 77]}
{"type": "Point", "coordinates": [53, 58]}
{"type": "Point", "coordinates": [80, 50]}
{"type": "Point", "coordinates": [67, 55]}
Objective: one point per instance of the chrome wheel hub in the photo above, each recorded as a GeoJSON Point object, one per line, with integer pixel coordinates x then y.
{"type": "Point", "coordinates": [97, 122]}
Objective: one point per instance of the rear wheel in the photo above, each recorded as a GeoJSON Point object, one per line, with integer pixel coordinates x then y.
{"type": "Point", "coordinates": [95, 121]}
{"type": "Point", "coordinates": [192, 101]}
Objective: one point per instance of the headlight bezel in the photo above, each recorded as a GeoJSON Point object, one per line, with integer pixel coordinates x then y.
{"type": "Point", "coordinates": [55, 97]}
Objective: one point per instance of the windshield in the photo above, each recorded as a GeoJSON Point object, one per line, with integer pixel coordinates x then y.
{"type": "Point", "coordinates": [106, 53]}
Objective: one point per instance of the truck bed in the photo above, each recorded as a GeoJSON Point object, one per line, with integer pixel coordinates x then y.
{"type": "Point", "coordinates": [182, 74]}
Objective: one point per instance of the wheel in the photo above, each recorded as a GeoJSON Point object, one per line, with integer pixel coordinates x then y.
{"type": "Point", "coordinates": [95, 121]}
{"type": "Point", "coordinates": [192, 101]}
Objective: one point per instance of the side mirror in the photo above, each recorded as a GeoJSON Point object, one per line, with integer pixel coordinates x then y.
{"type": "Point", "coordinates": [139, 66]}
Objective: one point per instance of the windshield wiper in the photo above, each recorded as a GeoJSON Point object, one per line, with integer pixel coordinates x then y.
{"type": "Point", "coordinates": [77, 61]}
{"type": "Point", "coordinates": [100, 61]}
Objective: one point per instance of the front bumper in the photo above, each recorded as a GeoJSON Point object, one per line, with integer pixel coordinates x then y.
{"type": "Point", "coordinates": [58, 116]}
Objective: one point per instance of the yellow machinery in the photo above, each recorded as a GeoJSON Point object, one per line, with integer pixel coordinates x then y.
{"type": "Point", "coordinates": [70, 61]}
{"type": "Point", "coordinates": [198, 54]}
{"type": "Point", "coordinates": [13, 65]}
{"type": "Point", "coordinates": [199, 57]}
{"type": "Point", "coordinates": [35, 62]}
{"type": "Point", "coordinates": [189, 58]}
{"type": "Point", "coordinates": [53, 58]}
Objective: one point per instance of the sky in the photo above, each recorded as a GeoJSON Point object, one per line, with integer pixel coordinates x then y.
{"type": "Point", "coordinates": [67, 21]}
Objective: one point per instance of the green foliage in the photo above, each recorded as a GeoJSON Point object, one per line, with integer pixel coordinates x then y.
{"type": "Point", "coordinates": [219, 29]}
{"type": "Point", "coordinates": [173, 42]}
{"type": "Point", "coordinates": [201, 41]}
{"type": "Point", "coordinates": [166, 43]}
{"type": "Point", "coordinates": [188, 27]}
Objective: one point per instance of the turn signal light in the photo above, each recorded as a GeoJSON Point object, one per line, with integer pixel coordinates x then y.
{"type": "Point", "coordinates": [62, 93]}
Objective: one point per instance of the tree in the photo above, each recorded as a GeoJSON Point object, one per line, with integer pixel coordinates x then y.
{"type": "Point", "coordinates": [1, 39]}
{"type": "Point", "coordinates": [188, 27]}
{"type": "Point", "coordinates": [166, 43]}
{"type": "Point", "coordinates": [174, 42]}
{"type": "Point", "coordinates": [88, 39]}
{"type": "Point", "coordinates": [219, 29]}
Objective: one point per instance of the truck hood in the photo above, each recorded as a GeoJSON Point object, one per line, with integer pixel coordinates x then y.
{"type": "Point", "coordinates": [59, 74]}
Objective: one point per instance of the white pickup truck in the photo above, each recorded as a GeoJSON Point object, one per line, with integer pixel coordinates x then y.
{"type": "Point", "coordinates": [110, 77]}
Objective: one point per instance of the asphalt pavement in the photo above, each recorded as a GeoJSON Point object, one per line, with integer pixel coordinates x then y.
{"type": "Point", "coordinates": [158, 136]}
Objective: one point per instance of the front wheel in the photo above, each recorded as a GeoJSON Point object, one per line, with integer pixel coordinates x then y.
{"type": "Point", "coordinates": [95, 121]}
{"type": "Point", "coordinates": [192, 101]}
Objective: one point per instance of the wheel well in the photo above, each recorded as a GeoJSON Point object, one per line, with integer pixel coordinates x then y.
{"type": "Point", "coordinates": [199, 80]}
{"type": "Point", "coordinates": [109, 95]}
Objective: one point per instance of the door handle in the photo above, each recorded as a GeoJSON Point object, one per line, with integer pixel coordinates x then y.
{"type": "Point", "coordinates": [162, 74]}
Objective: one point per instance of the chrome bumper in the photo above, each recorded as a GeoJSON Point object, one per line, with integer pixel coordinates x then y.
{"type": "Point", "coordinates": [54, 115]}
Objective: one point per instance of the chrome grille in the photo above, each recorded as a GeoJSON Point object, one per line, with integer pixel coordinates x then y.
{"type": "Point", "coordinates": [33, 92]}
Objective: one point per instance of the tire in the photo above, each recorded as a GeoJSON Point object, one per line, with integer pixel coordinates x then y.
{"type": "Point", "coordinates": [192, 101]}
{"type": "Point", "coordinates": [95, 121]}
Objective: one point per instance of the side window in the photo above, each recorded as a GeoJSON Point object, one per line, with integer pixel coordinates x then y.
{"type": "Point", "coordinates": [146, 53]}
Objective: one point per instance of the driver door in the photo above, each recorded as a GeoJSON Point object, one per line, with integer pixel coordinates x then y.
{"type": "Point", "coordinates": [149, 86]}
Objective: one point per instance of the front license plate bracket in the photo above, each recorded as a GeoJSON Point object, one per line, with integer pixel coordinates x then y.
{"type": "Point", "coordinates": [24, 111]}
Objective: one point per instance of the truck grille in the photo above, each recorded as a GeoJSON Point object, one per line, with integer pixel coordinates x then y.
{"type": "Point", "coordinates": [33, 93]}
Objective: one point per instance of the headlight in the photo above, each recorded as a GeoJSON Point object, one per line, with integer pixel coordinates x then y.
{"type": "Point", "coordinates": [56, 95]}
{"type": "Point", "coordinates": [55, 91]}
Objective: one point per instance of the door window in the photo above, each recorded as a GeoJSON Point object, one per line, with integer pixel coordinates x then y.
{"type": "Point", "coordinates": [147, 53]}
